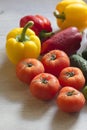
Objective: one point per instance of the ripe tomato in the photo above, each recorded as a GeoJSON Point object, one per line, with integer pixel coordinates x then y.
{"type": "Point", "coordinates": [70, 100]}
{"type": "Point", "coordinates": [44, 86]}
{"type": "Point", "coordinates": [28, 68]}
{"type": "Point", "coordinates": [54, 61]}
{"type": "Point", "coordinates": [72, 76]}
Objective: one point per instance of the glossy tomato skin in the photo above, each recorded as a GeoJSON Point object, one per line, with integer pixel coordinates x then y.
{"type": "Point", "coordinates": [72, 76]}
{"type": "Point", "coordinates": [70, 100]}
{"type": "Point", "coordinates": [28, 68]}
{"type": "Point", "coordinates": [44, 86]}
{"type": "Point", "coordinates": [54, 61]}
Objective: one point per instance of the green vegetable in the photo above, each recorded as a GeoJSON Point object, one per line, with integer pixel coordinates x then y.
{"type": "Point", "coordinates": [78, 61]}
{"type": "Point", "coordinates": [84, 91]}
{"type": "Point", "coordinates": [84, 54]}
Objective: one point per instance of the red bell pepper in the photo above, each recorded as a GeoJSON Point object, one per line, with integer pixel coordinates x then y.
{"type": "Point", "coordinates": [42, 26]}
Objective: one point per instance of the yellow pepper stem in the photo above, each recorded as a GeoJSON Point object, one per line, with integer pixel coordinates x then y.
{"type": "Point", "coordinates": [59, 16]}
{"type": "Point", "coordinates": [23, 36]}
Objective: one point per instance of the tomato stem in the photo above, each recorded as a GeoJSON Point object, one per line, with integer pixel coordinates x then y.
{"type": "Point", "coordinates": [70, 74]}
{"type": "Point", "coordinates": [29, 64]}
{"type": "Point", "coordinates": [44, 80]}
{"type": "Point", "coordinates": [53, 57]}
{"type": "Point", "coordinates": [70, 93]}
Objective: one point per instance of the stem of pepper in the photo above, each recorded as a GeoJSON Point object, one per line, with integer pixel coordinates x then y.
{"type": "Point", "coordinates": [22, 36]}
{"type": "Point", "coordinates": [44, 34]}
{"type": "Point", "coordinates": [59, 16]}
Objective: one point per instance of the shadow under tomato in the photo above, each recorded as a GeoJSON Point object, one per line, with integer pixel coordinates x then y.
{"type": "Point", "coordinates": [10, 86]}
{"type": "Point", "coordinates": [64, 121]}
{"type": "Point", "coordinates": [34, 108]}
{"type": "Point", "coordinates": [84, 110]}
{"type": "Point", "coordinates": [15, 91]}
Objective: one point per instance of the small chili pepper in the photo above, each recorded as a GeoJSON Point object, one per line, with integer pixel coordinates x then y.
{"type": "Point", "coordinates": [67, 40]}
{"type": "Point", "coordinates": [42, 26]}
{"type": "Point", "coordinates": [71, 13]}
{"type": "Point", "coordinates": [22, 43]}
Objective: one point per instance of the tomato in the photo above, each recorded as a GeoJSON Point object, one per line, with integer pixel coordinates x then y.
{"type": "Point", "coordinates": [44, 86]}
{"type": "Point", "coordinates": [72, 76]}
{"type": "Point", "coordinates": [54, 61]}
{"type": "Point", "coordinates": [28, 68]}
{"type": "Point", "coordinates": [70, 99]}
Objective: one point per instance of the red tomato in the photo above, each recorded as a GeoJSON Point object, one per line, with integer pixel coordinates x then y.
{"type": "Point", "coordinates": [54, 61]}
{"type": "Point", "coordinates": [28, 68]}
{"type": "Point", "coordinates": [70, 100]}
{"type": "Point", "coordinates": [72, 76]}
{"type": "Point", "coordinates": [44, 86]}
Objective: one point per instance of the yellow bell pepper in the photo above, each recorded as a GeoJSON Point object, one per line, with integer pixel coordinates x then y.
{"type": "Point", "coordinates": [71, 13]}
{"type": "Point", "coordinates": [22, 43]}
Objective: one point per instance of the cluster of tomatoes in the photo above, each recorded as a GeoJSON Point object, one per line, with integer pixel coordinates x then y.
{"type": "Point", "coordinates": [52, 77]}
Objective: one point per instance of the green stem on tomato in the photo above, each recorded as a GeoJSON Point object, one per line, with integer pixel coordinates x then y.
{"type": "Point", "coordinates": [44, 80]}
{"type": "Point", "coordinates": [70, 93]}
{"type": "Point", "coordinates": [70, 74]}
{"type": "Point", "coordinates": [53, 57]}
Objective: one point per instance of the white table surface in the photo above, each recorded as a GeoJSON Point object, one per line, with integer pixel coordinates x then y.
{"type": "Point", "coordinates": [18, 109]}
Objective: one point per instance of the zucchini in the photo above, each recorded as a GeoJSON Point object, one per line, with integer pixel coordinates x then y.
{"type": "Point", "coordinates": [78, 61]}
{"type": "Point", "coordinates": [84, 54]}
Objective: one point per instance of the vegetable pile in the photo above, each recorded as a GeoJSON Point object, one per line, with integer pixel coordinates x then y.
{"type": "Point", "coordinates": [47, 61]}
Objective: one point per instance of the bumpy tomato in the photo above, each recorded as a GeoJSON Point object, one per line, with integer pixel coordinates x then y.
{"type": "Point", "coordinates": [54, 61]}
{"type": "Point", "coordinates": [70, 100]}
{"type": "Point", "coordinates": [28, 68]}
{"type": "Point", "coordinates": [44, 86]}
{"type": "Point", "coordinates": [72, 76]}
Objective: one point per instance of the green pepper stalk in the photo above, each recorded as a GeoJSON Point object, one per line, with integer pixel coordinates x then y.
{"type": "Point", "coordinates": [23, 37]}
{"type": "Point", "coordinates": [43, 35]}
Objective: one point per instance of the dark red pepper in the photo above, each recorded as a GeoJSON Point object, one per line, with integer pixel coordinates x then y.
{"type": "Point", "coordinates": [67, 40]}
{"type": "Point", "coordinates": [42, 26]}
